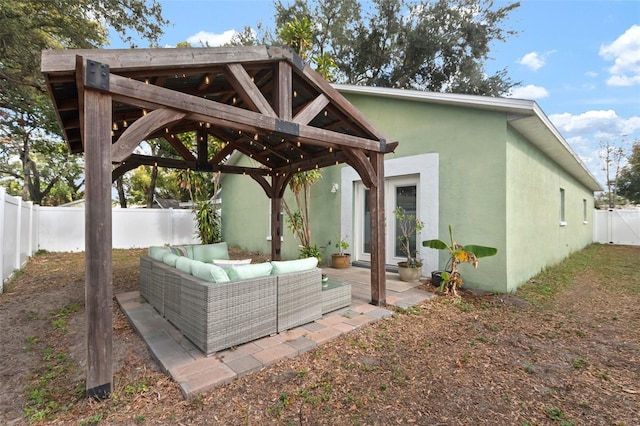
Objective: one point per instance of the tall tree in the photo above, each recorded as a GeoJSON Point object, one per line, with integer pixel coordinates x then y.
{"type": "Point", "coordinates": [438, 45]}
{"type": "Point", "coordinates": [27, 27]}
{"type": "Point", "coordinates": [611, 157]}
{"type": "Point", "coordinates": [629, 182]}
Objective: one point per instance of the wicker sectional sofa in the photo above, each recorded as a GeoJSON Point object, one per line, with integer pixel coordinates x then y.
{"type": "Point", "coordinates": [217, 308]}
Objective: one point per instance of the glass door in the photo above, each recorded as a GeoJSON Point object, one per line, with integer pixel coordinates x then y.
{"type": "Point", "coordinates": [401, 192]}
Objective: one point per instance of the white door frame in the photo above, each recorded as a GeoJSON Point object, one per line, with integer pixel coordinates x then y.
{"type": "Point", "coordinates": [390, 204]}
{"type": "Point", "coordinates": [426, 168]}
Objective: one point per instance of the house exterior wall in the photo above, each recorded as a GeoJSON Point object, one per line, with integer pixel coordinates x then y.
{"type": "Point", "coordinates": [246, 215]}
{"type": "Point", "coordinates": [535, 236]}
{"type": "Point", "coordinates": [471, 147]}
{"type": "Point", "coordinates": [494, 187]}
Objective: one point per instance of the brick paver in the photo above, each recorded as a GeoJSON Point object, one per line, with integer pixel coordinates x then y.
{"type": "Point", "coordinates": [196, 373]}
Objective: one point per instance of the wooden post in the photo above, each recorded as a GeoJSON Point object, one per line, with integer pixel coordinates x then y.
{"type": "Point", "coordinates": [98, 240]}
{"type": "Point", "coordinates": [376, 207]}
{"type": "Point", "coordinates": [276, 227]}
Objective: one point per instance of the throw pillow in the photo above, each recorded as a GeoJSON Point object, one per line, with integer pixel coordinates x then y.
{"type": "Point", "coordinates": [179, 250]}
{"type": "Point", "coordinates": [228, 263]}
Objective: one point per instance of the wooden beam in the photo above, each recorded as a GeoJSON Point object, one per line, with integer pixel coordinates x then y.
{"type": "Point", "coordinates": [363, 166]}
{"type": "Point", "coordinates": [175, 141]}
{"type": "Point", "coordinates": [134, 92]}
{"type": "Point", "coordinates": [98, 244]}
{"type": "Point", "coordinates": [241, 81]}
{"type": "Point", "coordinates": [202, 139]}
{"type": "Point", "coordinates": [311, 110]}
{"type": "Point", "coordinates": [376, 207]}
{"type": "Point", "coordinates": [123, 168]}
{"type": "Point", "coordinates": [340, 102]}
{"type": "Point", "coordinates": [122, 60]}
{"type": "Point", "coordinates": [283, 91]}
{"type": "Point", "coordinates": [140, 129]}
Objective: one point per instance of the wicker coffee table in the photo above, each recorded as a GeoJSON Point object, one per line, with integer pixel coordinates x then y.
{"type": "Point", "coordinates": [335, 295]}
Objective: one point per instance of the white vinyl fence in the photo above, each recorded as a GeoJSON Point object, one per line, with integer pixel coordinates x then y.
{"type": "Point", "coordinates": [26, 228]}
{"type": "Point", "coordinates": [615, 226]}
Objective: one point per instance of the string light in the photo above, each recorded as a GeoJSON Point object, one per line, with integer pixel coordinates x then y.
{"type": "Point", "coordinates": [115, 126]}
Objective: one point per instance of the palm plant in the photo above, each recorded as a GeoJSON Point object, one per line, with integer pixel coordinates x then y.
{"type": "Point", "coordinates": [451, 279]}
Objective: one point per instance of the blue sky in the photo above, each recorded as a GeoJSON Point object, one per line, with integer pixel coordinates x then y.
{"type": "Point", "coordinates": [578, 59]}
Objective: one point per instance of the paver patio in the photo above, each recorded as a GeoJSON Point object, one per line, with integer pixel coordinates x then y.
{"type": "Point", "coordinates": [196, 373]}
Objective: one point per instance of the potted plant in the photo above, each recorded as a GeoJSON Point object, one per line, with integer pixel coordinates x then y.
{"type": "Point", "coordinates": [341, 259]}
{"type": "Point", "coordinates": [450, 280]}
{"type": "Point", "coordinates": [409, 225]}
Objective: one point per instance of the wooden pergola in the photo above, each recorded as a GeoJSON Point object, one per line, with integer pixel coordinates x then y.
{"type": "Point", "coordinates": [263, 102]}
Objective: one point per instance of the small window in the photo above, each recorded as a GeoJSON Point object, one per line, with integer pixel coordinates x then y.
{"type": "Point", "coordinates": [584, 212]}
{"type": "Point", "coordinates": [563, 221]}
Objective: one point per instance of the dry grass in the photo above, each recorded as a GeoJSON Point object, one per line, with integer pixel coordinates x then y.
{"type": "Point", "coordinates": [564, 350]}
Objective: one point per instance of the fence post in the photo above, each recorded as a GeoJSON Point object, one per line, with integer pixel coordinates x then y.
{"type": "Point", "coordinates": [171, 219]}
{"type": "Point", "coordinates": [18, 230]}
{"type": "Point", "coordinates": [30, 232]}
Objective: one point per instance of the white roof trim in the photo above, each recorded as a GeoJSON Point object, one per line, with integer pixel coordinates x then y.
{"type": "Point", "coordinates": [523, 115]}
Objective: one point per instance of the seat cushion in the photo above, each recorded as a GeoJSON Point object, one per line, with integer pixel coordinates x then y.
{"type": "Point", "coordinates": [207, 252]}
{"type": "Point", "coordinates": [184, 264]}
{"type": "Point", "coordinates": [289, 266]}
{"type": "Point", "coordinates": [246, 272]}
{"type": "Point", "coordinates": [209, 272]}
{"type": "Point", "coordinates": [158, 252]}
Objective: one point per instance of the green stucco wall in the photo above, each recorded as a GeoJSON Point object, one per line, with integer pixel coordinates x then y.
{"type": "Point", "coordinates": [535, 236]}
{"type": "Point", "coordinates": [246, 210]}
{"type": "Point", "coordinates": [495, 189]}
{"type": "Point", "coordinates": [472, 171]}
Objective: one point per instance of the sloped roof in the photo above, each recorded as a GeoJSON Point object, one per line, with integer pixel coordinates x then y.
{"type": "Point", "coordinates": [525, 116]}
{"type": "Point", "coordinates": [263, 102]}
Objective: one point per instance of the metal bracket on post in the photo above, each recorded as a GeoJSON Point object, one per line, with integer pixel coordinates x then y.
{"type": "Point", "coordinates": [97, 75]}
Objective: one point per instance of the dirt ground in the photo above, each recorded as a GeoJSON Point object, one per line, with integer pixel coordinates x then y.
{"type": "Point", "coordinates": [565, 350]}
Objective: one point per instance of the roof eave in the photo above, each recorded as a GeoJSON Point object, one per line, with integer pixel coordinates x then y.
{"type": "Point", "coordinates": [525, 116]}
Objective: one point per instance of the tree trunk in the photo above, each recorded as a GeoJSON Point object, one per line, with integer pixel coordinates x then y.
{"type": "Point", "coordinates": [121, 195]}
{"type": "Point", "coordinates": [152, 187]}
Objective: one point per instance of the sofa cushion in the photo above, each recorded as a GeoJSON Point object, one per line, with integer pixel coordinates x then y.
{"type": "Point", "coordinates": [208, 252]}
{"type": "Point", "coordinates": [184, 264]}
{"type": "Point", "coordinates": [170, 259]}
{"type": "Point", "coordinates": [298, 265]}
{"type": "Point", "coordinates": [246, 272]}
{"type": "Point", "coordinates": [157, 252]}
{"type": "Point", "coordinates": [209, 272]}
{"type": "Point", "coordinates": [228, 263]}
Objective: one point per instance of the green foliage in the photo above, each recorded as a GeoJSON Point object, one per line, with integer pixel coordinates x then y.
{"type": "Point", "coordinates": [342, 245]}
{"type": "Point", "coordinates": [310, 251]}
{"type": "Point", "coordinates": [629, 182]}
{"type": "Point", "coordinates": [208, 221]}
{"type": "Point", "coordinates": [451, 279]}
{"type": "Point", "coordinates": [298, 218]}
{"type": "Point", "coordinates": [439, 45]}
{"type": "Point", "coordinates": [34, 162]}
{"type": "Point", "coordinates": [410, 226]}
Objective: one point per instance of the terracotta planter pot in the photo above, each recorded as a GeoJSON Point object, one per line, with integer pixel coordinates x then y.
{"type": "Point", "coordinates": [340, 261]}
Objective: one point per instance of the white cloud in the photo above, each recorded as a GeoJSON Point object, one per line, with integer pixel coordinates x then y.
{"type": "Point", "coordinates": [625, 52]}
{"type": "Point", "coordinates": [534, 60]}
{"type": "Point", "coordinates": [591, 74]}
{"type": "Point", "coordinates": [528, 92]}
{"type": "Point", "coordinates": [204, 38]}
